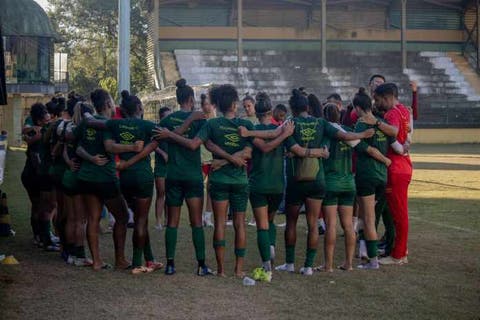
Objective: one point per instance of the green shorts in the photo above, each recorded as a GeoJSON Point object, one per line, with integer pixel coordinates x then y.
{"type": "Point", "coordinates": [179, 190]}
{"type": "Point", "coordinates": [160, 170]}
{"type": "Point", "coordinates": [131, 188]}
{"type": "Point", "coordinates": [103, 190]}
{"type": "Point", "coordinates": [45, 183]}
{"type": "Point", "coordinates": [70, 183]}
{"type": "Point", "coordinates": [298, 192]}
{"type": "Point", "coordinates": [272, 201]}
{"type": "Point", "coordinates": [236, 194]}
{"type": "Point", "coordinates": [368, 187]}
{"type": "Point", "coordinates": [56, 173]}
{"type": "Point", "coordinates": [345, 198]}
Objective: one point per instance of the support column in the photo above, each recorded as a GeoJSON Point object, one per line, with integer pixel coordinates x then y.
{"type": "Point", "coordinates": [159, 76]}
{"type": "Point", "coordinates": [123, 45]}
{"type": "Point", "coordinates": [404, 34]}
{"type": "Point", "coordinates": [476, 41]}
{"type": "Point", "coordinates": [239, 32]}
{"type": "Point", "coordinates": [324, 35]}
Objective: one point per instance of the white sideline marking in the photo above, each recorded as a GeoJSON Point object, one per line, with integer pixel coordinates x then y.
{"type": "Point", "coordinates": [439, 224]}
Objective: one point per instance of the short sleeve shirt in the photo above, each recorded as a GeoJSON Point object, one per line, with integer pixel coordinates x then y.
{"type": "Point", "coordinates": [224, 133]}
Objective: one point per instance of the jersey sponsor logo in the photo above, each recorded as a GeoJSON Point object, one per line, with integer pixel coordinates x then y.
{"type": "Point", "coordinates": [308, 134]}
{"type": "Point", "coordinates": [232, 139]}
{"type": "Point", "coordinates": [228, 128]}
{"type": "Point", "coordinates": [127, 136]}
{"type": "Point", "coordinates": [125, 127]}
{"type": "Point", "coordinates": [91, 134]}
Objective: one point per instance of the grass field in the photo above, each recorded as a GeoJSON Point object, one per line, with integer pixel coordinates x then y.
{"type": "Point", "coordinates": [442, 280]}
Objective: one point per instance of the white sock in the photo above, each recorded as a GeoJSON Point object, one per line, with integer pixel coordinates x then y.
{"type": "Point", "coordinates": [130, 215]}
{"type": "Point", "coordinates": [321, 223]}
{"type": "Point", "coordinates": [374, 261]}
{"type": "Point", "coordinates": [207, 217]}
{"type": "Point", "coordinates": [362, 249]}
{"type": "Point", "coordinates": [355, 224]}
{"type": "Point", "coordinates": [111, 220]}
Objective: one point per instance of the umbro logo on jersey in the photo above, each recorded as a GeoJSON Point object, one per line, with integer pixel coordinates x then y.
{"type": "Point", "coordinates": [233, 137]}
{"type": "Point", "coordinates": [127, 136]}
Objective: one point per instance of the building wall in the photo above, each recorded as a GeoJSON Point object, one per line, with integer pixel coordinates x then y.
{"type": "Point", "coordinates": [12, 116]}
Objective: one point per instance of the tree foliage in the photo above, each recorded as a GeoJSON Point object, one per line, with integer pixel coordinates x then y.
{"type": "Point", "coordinates": [89, 32]}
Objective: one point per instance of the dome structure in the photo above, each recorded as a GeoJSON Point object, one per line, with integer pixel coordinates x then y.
{"type": "Point", "coordinates": [25, 18]}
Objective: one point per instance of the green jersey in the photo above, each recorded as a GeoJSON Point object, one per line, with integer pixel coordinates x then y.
{"type": "Point", "coordinates": [55, 136]}
{"type": "Point", "coordinates": [183, 164]}
{"type": "Point", "coordinates": [368, 168]}
{"type": "Point", "coordinates": [266, 175]}
{"type": "Point", "coordinates": [338, 166]}
{"type": "Point", "coordinates": [44, 150]}
{"type": "Point", "coordinates": [224, 133]}
{"type": "Point", "coordinates": [92, 141]}
{"type": "Point", "coordinates": [127, 131]}
{"type": "Point", "coordinates": [310, 133]}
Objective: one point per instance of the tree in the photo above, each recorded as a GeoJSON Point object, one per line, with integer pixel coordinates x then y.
{"type": "Point", "coordinates": [88, 29]}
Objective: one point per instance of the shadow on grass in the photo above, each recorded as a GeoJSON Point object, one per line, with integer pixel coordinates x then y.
{"type": "Point", "coordinates": [465, 148]}
{"type": "Point", "coordinates": [445, 166]}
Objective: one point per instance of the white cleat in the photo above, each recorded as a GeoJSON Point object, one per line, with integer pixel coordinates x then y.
{"type": "Point", "coordinates": [391, 261]}
{"type": "Point", "coordinates": [289, 267]}
{"type": "Point", "coordinates": [306, 271]}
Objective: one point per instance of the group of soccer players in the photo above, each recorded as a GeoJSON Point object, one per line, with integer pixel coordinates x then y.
{"type": "Point", "coordinates": [85, 158]}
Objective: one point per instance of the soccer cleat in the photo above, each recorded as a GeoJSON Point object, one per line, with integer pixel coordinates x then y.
{"type": "Point", "coordinates": [71, 259]}
{"type": "Point", "coordinates": [54, 238]}
{"type": "Point", "coordinates": [158, 227]}
{"type": "Point", "coordinates": [229, 223]}
{"type": "Point", "coordinates": [306, 271]}
{"type": "Point", "coordinates": [170, 270]}
{"type": "Point", "coordinates": [260, 274]}
{"type": "Point", "coordinates": [368, 266]}
{"type": "Point", "coordinates": [83, 262]}
{"type": "Point", "coordinates": [204, 271]}
{"type": "Point", "coordinates": [392, 261]}
{"type": "Point", "coordinates": [154, 265]}
{"type": "Point", "coordinates": [51, 248]}
{"type": "Point", "coordinates": [282, 225]}
{"type": "Point", "coordinates": [252, 223]}
{"type": "Point", "coordinates": [289, 267]}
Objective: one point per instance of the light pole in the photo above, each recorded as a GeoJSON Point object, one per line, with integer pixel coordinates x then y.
{"type": "Point", "coordinates": [123, 45]}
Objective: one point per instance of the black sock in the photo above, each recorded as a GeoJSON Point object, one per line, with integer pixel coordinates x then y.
{"type": "Point", "coordinates": [201, 263]}
{"type": "Point", "coordinates": [170, 262]}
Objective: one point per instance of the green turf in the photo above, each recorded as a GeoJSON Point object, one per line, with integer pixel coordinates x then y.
{"type": "Point", "coordinates": [442, 280]}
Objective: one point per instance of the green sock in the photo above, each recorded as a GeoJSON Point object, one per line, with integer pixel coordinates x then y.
{"type": "Point", "coordinates": [240, 252]}
{"type": "Point", "coordinates": [137, 257]}
{"type": "Point", "coordinates": [171, 242]}
{"type": "Point", "coordinates": [289, 254]}
{"type": "Point", "coordinates": [263, 242]}
{"type": "Point", "coordinates": [198, 237]}
{"type": "Point", "coordinates": [272, 232]}
{"type": "Point", "coordinates": [80, 252]}
{"type": "Point", "coordinates": [45, 232]}
{"type": "Point", "coordinates": [311, 253]}
{"type": "Point", "coordinates": [372, 250]}
{"type": "Point", "coordinates": [147, 252]}
{"type": "Point", "coordinates": [219, 243]}
{"type": "Point", "coordinates": [361, 235]}
{"type": "Point", "coordinates": [70, 249]}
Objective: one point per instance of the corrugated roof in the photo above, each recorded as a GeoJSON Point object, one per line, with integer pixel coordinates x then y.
{"type": "Point", "coordinates": [25, 18]}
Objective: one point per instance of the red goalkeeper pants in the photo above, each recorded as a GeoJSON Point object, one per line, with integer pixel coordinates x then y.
{"type": "Point", "coordinates": [397, 198]}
